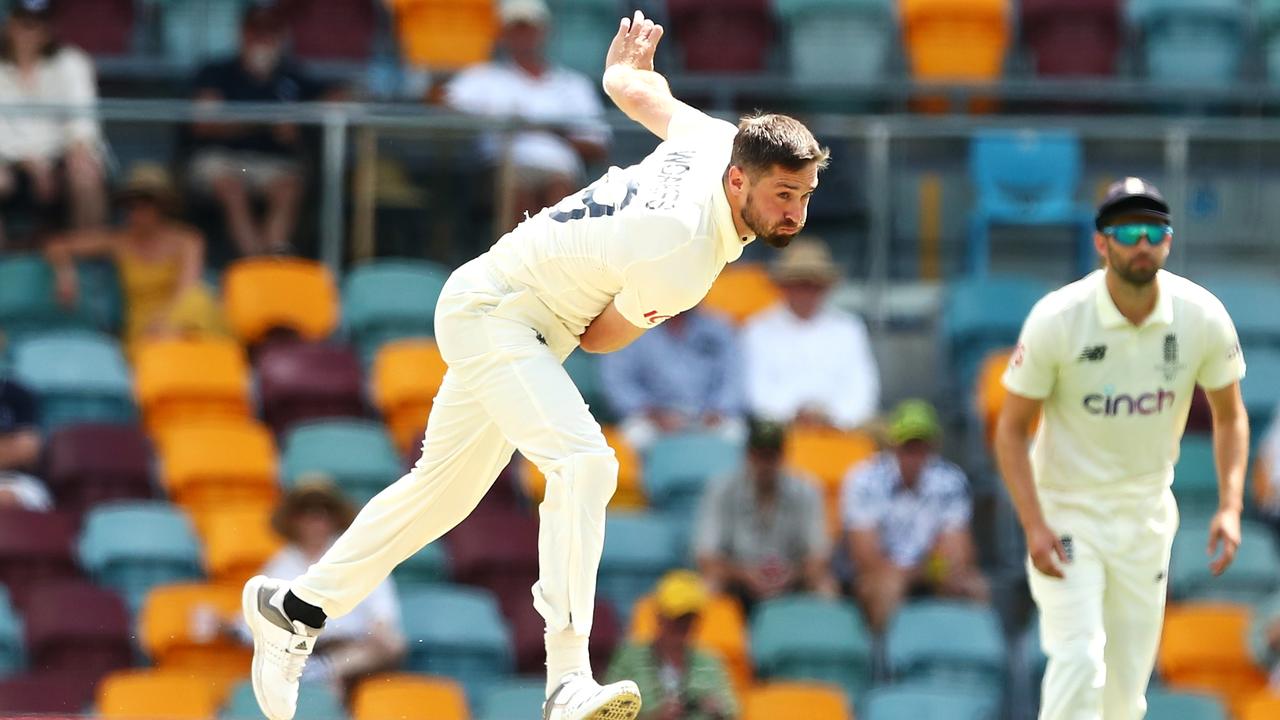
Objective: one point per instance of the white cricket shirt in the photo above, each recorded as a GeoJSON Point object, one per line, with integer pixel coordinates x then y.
{"type": "Point", "coordinates": [1116, 395]}
{"type": "Point", "coordinates": [651, 237]}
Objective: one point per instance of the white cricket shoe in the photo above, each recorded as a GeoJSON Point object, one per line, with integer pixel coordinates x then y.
{"type": "Point", "coordinates": [280, 647]}
{"type": "Point", "coordinates": [579, 697]}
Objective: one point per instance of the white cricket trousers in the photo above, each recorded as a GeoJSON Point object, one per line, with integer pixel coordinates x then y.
{"type": "Point", "coordinates": [1100, 625]}
{"type": "Point", "coordinates": [505, 388]}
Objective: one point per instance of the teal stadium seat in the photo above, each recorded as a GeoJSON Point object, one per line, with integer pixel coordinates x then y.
{"type": "Point", "coordinates": [195, 31]}
{"type": "Point", "coordinates": [639, 547]}
{"type": "Point", "coordinates": [1192, 42]}
{"type": "Point", "coordinates": [78, 376]}
{"type": "Point", "coordinates": [12, 653]}
{"type": "Point", "coordinates": [132, 547]}
{"type": "Point", "coordinates": [584, 370]}
{"type": "Point", "coordinates": [1252, 303]}
{"type": "Point", "coordinates": [1167, 705]}
{"type": "Point", "coordinates": [357, 454]}
{"type": "Point", "coordinates": [946, 641]}
{"type": "Point", "coordinates": [929, 701]}
{"type": "Point", "coordinates": [1261, 385]}
{"type": "Point", "coordinates": [677, 469]}
{"type": "Point", "coordinates": [428, 566]}
{"type": "Point", "coordinates": [1268, 19]}
{"type": "Point", "coordinates": [581, 33]}
{"type": "Point", "coordinates": [512, 699]}
{"type": "Point", "coordinates": [804, 637]}
{"type": "Point", "coordinates": [1253, 575]}
{"type": "Point", "coordinates": [28, 303]}
{"type": "Point", "coordinates": [1195, 479]}
{"type": "Point", "coordinates": [316, 701]}
{"type": "Point", "coordinates": [837, 41]}
{"type": "Point", "coordinates": [985, 314]}
{"type": "Point", "coordinates": [456, 631]}
{"type": "Point", "coordinates": [388, 300]}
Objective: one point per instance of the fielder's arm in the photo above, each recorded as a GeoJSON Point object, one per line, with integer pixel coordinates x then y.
{"type": "Point", "coordinates": [1231, 456]}
{"type": "Point", "coordinates": [1013, 436]}
{"type": "Point", "coordinates": [629, 78]}
{"type": "Point", "coordinates": [609, 332]}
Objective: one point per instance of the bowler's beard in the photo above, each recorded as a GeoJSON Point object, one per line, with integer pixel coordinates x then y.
{"type": "Point", "coordinates": [770, 235]}
{"type": "Point", "coordinates": [1137, 277]}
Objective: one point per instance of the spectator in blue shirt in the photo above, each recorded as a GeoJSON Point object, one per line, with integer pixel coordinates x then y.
{"type": "Point", "coordinates": [683, 376]}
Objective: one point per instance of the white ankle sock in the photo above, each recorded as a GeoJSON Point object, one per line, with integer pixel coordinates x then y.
{"type": "Point", "coordinates": [566, 653]}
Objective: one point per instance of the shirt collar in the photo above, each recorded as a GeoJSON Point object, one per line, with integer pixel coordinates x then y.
{"type": "Point", "coordinates": [1109, 315]}
{"type": "Point", "coordinates": [722, 215]}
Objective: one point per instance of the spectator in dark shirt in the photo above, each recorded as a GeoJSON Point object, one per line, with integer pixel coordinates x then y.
{"type": "Point", "coordinates": [20, 446]}
{"type": "Point", "coordinates": [234, 161]}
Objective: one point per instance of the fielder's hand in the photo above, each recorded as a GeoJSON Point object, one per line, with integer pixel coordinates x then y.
{"type": "Point", "coordinates": [1224, 531]}
{"type": "Point", "coordinates": [635, 43]}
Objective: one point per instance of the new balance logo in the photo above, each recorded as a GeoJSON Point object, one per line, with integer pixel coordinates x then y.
{"type": "Point", "coordinates": [1093, 353]}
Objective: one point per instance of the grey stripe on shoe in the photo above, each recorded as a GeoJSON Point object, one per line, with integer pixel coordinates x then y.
{"type": "Point", "coordinates": [551, 701]}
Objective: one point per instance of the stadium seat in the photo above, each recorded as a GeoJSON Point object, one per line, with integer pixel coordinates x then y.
{"type": "Point", "coordinates": [827, 456]}
{"type": "Point", "coordinates": [834, 41]}
{"type": "Point", "coordinates": [28, 303]}
{"type": "Point", "coordinates": [183, 380]}
{"type": "Point", "coordinates": [445, 35]}
{"type": "Point", "coordinates": [638, 549]}
{"type": "Point", "coordinates": [170, 636]}
{"type": "Point", "coordinates": [990, 393]}
{"type": "Point", "coordinates": [799, 700]}
{"type": "Point", "coordinates": [357, 454]}
{"type": "Point", "coordinates": [1223, 666]}
{"type": "Point", "coordinates": [1263, 706]}
{"type": "Point", "coordinates": [46, 693]}
{"type": "Point", "coordinates": [132, 547]}
{"type": "Point", "coordinates": [584, 368]}
{"type": "Point", "coordinates": [496, 550]}
{"type": "Point", "coordinates": [406, 377]}
{"type": "Point", "coordinates": [722, 628]}
{"type": "Point", "coordinates": [528, 631]}
{"type": "Point", "coordinates": [239, 540]}
{"type": "Point", "coordinates": [307, 381]}
{"type": "Point", "coordinates": [34, 547]}
{"type": "Point", "coordinates": [1254, 575]}
{"type": "Point", "coordinates": [99, 27]}
{"type": "Point", "coordinates": [630, 492]}
{"type": "Point", "coordinates": [947, 640]}
{"type": "Point", "coordinates": [12, 648]}
{"type": "Point", "coordinates": [75, 626]}
{"type": "Point", "coordinates": [807, 638]}
{"type": "Point", "coordinates": [1195, 479]}
{"type": "Point", "coordinates": [722, 36]}
{"type": "Point", "coordinates": [1073, 37]}
{"type": "Point", "coordinates": [316, 701]}
{"type": "Point", "coordinates": [930, 701]}
{"type": "Point", "coordinates": [383, 697]}
{"type": "Point", "coordinates": [1259, 387]}
{"type": "Point", "coordinates": [88, 464]}
{"type": "Point", "coordinates": [387, 300]}
{"type": "Point", "coordinates": [742, 290]}
{"type": "Point", "coordinates": [1027, 178]}
{"type": "Point", "coordinates": [428, 566]}
{"type": "Point", "coordinates": [193, 31]}
{"type": "Point", "coordinates": [262, 295]}
{"type": "Point", "coordinates": [1268, 19]}
{"type": "Point", "coordinates": [580, 32]}
{"type": "Point", "coordinates": [1191, 42]}
{"type": "Point", "coordinates": [1166, 705]}
{"type": "Point", "coordinates": [332, 29]}
{"type": "Point", "coordinates": [456, 631]}
{"type": "Point", "coordinates": [955, 40]}
{"type": "Point", "coordinates": [678, 467]}
{"type": "Point", "coordinates": [216, 464]}
{"type": "Point", "coordinates": [984, 314]}
{"type": "Point", "coordinates": [78, 376]}
{"type": "Point", "coordinates": [1251, 303]}
{"type": "Point", "coordinates": [511, 699]}
{"type": "Point", "coordinates": [148, 694]}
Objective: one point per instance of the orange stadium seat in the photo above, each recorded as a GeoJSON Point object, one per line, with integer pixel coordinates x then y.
{"type": "Point", "coordinates": [263, 294]}
{"type": "Point", "coordinates": [722, 629]}
{"type": "Point", "coordinates": [216, 463]}
{"type": "Point", "coordinates": [795, 700]}
{"type": "Point", "coordinates": [157, 695]}
{"type": "Point", "coordinates": [956, 39]}
{"type": "Point", "coordinates": [182, 380]}
{"type": "Point", "coordinates": [445, 34]}
{"type": "Point", "coordinates": [827, 455]}
{"type": "Point", "coordinates": [991, 393]}
{"type": "Point", "coordinates": [396, 696]}
{"type": "Point", "coordinates": [406, 377]}
{"type": "Point", "coordinates": [238, 541]}
{"type": "Point", "coordinates": [1224, 666]}
{"type": "Point", "coordinates": [1262, 706]}
{"type": "Point", "coordinates": [630, 492]}
{"type": "Point", "coordinates": [167, 629]}
{"type": "Point", "coordinates": [742, 291]}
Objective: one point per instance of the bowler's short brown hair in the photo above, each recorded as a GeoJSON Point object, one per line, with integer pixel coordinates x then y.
{"type": "Point", "coordinates": [768, 139]}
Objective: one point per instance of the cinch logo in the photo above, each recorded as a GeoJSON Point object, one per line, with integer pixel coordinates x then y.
{"type": "Point", "coordinates": [1111, 405]}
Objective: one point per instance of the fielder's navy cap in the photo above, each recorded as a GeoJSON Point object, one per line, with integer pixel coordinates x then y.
{"type": "Point", "coordinates": [1132, 196]}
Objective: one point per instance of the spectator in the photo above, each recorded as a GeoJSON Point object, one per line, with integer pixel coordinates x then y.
{"type": "Point", "coordinates": [762, 531]}
{"type": "Point", "coordinates": [1264, 638]}
{"type": "Point", "coordinates": [677, 680]}
{"type": "Point", "coordinates": [234, 161]}
{"type": "Point", "coordinates": [45, 158]}
{"type": "Point", "coordinates": [807, 363]}
{"type": "Point", "coordinates": [906, 512]}
{"type": "Point", "coordinates": [524, 85]}
{"type": "Point", "coordinates": [368, 639]}
{"type": "Point", "coordinates": [160, 261]}
{"type": "Point", "coordinates": [681, 376]}
{"type": "Point", "coordinates": [20, 446]}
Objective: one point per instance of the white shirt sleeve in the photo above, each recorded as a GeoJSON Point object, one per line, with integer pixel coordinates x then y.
{"type": "Point", "coordinates": [80, 87]}
{"type": "Point", "coordinates": [588, 111]}
{"type": "Point", "coordinates": [1223, 361]}
{"type": "Point", "coordinates": [688, 122]}
{"type": "Point", "coordinates": [765, 398]}
{"type": "Point", "coordinates": [855, 399]}
{"type": "Point", "coordinates": [861, 507]}
{"type": "Point", "coordinates": [474, 90]}
{"type": "Point", "coordinates": [1033, 367]}
{"type": "Point", "coordinates": [654, 290]}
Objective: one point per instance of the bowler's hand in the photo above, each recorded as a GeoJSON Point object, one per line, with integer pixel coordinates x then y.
{"type": "Point", "coordinates": [1224, 531]}
{"type": "Point", "coordinates": [635, 43]}
{"type": "Point", "coordinates": [1046, 550]}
